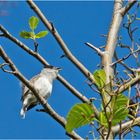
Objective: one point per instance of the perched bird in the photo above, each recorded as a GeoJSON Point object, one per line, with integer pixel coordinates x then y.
{"type": "Point", "coordinates": [43, 83]}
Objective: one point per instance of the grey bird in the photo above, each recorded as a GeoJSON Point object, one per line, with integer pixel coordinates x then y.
{"type": "Point", "coordinates": [43, 83]}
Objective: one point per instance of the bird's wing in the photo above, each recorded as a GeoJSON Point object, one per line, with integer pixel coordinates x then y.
{"type": "Point", "coordinates": [31, 106]}
{"type": "Point", "coordinates": [25, 90]}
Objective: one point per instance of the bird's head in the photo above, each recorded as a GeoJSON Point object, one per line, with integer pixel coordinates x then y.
{"type": "Point", "coordinates": [51, 71]}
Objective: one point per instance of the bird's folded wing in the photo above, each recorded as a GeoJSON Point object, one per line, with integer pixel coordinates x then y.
{"type": "Point", "coordinates": [25, 90]}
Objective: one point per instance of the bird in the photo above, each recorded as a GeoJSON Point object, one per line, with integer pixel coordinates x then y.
{"type": "Point", "coordinates": [43, 83]}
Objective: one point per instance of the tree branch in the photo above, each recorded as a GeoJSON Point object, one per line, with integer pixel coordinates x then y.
{"type": "Point", "coordinates": [126, 8]}
{"type": "Point", "coordinates": [110, 48]}
{"type": "Point", "coordinates": [125, 125]}
{"type": "Point", "coordinates": [60, 41]}
{"type": "Point", "coordinates": [118, 14]}
{"type": "Point", "coordinates": [122, 63]}
{"type": "Point", "coordinates": [126, 57]}
{"type": "Point", "coordinates": [1, 35]}
{"type": "Point", "coordinates": [4, 70]}
{"type": "Point", "coordinates": [127, 85]}
{"type": "Point", "coordinates": [112, 38]}
{"type": "Point", "coordinates": [95, 48]}
{"type": "Point", "coordinates": [43, 102]}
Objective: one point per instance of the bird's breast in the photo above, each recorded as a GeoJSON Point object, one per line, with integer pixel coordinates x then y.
{"type": "Point", "coordinates": [44, 87]}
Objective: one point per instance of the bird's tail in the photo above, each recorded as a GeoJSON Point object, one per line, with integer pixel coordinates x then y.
{"type": "Point", "coordinates": [23, 112]}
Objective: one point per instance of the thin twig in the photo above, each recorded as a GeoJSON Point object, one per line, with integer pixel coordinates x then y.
{"type": "Point", "coordinates": [4, 70]}
{"type": "Point", "coordinates": [91, 86]}
{"type": "Point", "coordinates": [130, 31]}
{"type": "Point", "coordinates": [120, 131]}
{"type": "Point", "coordinates": [122, 59]}
{"type": "Point", "coordinates": [126, 8]}
{"type": "Point", "coordinates": [36, 46]}
{"type": "Point", "coordinates": [122, 63]}
{"type": "Point", "coordinates": [125, 86]}
{"type": "Point", "coordinates": [103, 35]}
{"type": "Point", "coordinates": [95, 48]}
{"type": "Point", "coordinates": [43, 102]}
{"type": "Point", "coordinates": [1, 35]}
{"type": "Point", "coordinates": [99, 130]}
{"type": "Point", "coordinates": [3, 64]}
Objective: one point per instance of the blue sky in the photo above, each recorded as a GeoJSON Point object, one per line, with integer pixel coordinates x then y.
{"type": "Point", "coordinates": [77, 23]}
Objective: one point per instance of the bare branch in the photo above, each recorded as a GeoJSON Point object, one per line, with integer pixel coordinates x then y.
{"type": "Point", "coordinates": [60, 41]}
{"type": "Point", "coordinates": [125, 125]}
{"type": "Point", "coordinates": [1, 35]}
{"type": "Point", "coordinates": [126, 57]}
{"type": "Point", "coordinates": [7, 71]}
{"type": "Point", "coordinates": [112, 38]}
{"type": "Point", "coordinates": [113, 34]}
{"type": "Point", "coordinates": [43, 102]}
{"type": "Point", "coordinates": [126, 8]}
{"type": "Point", "coordinates": [122, 59]}
{"type": "Point", "coordinates": [120, 131]}
{"type": "Point", "coordinates": [95, 48]}
{"type": "Point", "coordinates": [4, 70]}
{"type": "Point", "coordinates": [122, 63]}
{"type": "Point", "coordinates": [103, 35]}
{"type": "Point", "coordinates": [45, 63]}
{"type": "Point", "coordinates": [127, 85]}
{"type": "Point", "coordinates": [110, 48]}
{"type": "Point", "coordinates": [91, 86]}
{"type": "Point", "coordinates": [3, 64]}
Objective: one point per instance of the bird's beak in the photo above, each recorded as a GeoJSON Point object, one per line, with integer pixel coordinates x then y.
{"type": "Point", "coordinates": [58, 68]}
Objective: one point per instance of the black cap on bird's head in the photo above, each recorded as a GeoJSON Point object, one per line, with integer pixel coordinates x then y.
{"type": "Point", "coordinates": [58, 68]}
{"type": "Point", "coordinates": [52, 67]}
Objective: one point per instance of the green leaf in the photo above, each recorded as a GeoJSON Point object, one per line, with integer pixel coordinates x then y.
{"type": "Point", "coordinates": [103, 119]}
{"type": "Point", "coordinates": [119, 115]}
{"type": "Point", "coordinates": [33, 22]}
{"type": "Point", "coordinates": [100, 78]}
{"type": "Point", "coordinates": [120, 101]}
{"type": "Point", "coordinates": [41, 34]}
{"type": "Point", "coordinates": [25, 34]}
{"type": "Point", "coordinates": [120, 110]}
{"type": "Point", "coordinates": [79, 115]}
